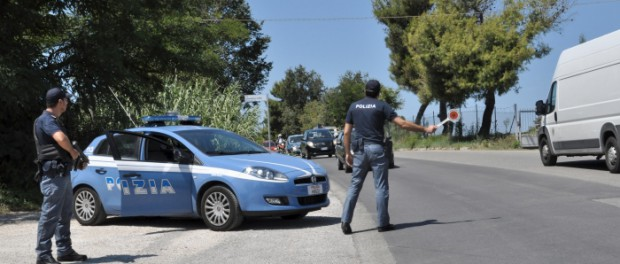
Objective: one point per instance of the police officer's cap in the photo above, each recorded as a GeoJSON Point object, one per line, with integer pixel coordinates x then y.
{"type": "Point", "coordinates": [373, 86]}
{"type": "Point", "coordinates": [55, 94]}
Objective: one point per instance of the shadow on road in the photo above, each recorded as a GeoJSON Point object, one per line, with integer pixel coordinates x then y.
{"type": "Point", "coordinates": [184, 224]}
{"type": "Point", "coordinates": [118, 258]}
{"type": "Point", "coordinates": [272, 223]}
{"type": "Point", "coordinates": [427, 222]}
{"type": "Point", "coordinates": [585, 164]}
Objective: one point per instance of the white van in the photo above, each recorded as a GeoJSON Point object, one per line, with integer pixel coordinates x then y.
{"type": "Point", "coordinates": [582, 113]}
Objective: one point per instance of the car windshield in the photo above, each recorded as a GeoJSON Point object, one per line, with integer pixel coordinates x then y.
{"type": "Point", "coordinates": [319, 134]}
{"type": "Point", "coordinates": [295, 139]}
{"type": "Point", "coordinates": [220, 142]}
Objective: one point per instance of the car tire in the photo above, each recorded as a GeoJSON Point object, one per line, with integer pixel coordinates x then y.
{"type": "Point", "coordinates": [87, 207]}
{"type": "Point", "coordinates": [294, 216]}
{"type": "Point", "coordinates": [340, 165]}
{"type": "Point", "coordinates": [219, 209]}
{"type": "Point", "coordinates": [330, 155]}
{"type": "Point", "coordinates": [547, 158]}
{"type": "Point", "coordinates": [612, 160]}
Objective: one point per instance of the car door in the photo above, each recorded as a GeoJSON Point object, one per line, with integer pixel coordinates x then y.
{"type": "Point", "coordinates": [152, 183]}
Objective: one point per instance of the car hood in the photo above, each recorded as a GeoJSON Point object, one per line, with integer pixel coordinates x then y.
{"type": "Point", "coordinates": [282, 163]}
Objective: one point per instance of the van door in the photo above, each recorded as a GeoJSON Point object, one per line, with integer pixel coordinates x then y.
{"type": "Point", "coordinates": [550, 120]}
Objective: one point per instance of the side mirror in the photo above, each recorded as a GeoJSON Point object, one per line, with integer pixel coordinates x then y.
{"type": "Point", "coordinates": [541, 108]}
{"type": "Point", "coordinates": [183, 156]}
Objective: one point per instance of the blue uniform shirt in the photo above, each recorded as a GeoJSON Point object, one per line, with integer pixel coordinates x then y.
{"type": "Point", "coordinates": [46, 126]}
{"type": "Point", "coordinates": [368, 116]}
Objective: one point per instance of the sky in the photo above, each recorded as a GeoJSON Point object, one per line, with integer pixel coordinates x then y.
{"type": "Point", "coordinates": [332, 37]}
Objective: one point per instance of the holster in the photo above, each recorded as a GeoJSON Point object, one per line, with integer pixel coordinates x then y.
{"type": "Point", "coordinates": [357, 145]}
{"type": "Point", "coordinates": [37, 175]}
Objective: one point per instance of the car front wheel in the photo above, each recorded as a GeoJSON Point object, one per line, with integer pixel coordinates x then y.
{"type": "Point", "coordinates": [220, 209]}
{"type": "Point", "coordinates": [87, 207]}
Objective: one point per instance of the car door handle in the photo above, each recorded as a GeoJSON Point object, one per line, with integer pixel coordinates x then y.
{"type": "Point", "coordinates": [101, 171]}
{"type": "Point", "coordinates": [129, 175]}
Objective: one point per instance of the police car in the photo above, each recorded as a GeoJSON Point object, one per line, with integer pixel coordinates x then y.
{"type": "Point", "coordinates": [193, 171]}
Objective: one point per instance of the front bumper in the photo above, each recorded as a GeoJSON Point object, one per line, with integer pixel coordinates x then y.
{"type": "Point", "coordinates": [321, 151]}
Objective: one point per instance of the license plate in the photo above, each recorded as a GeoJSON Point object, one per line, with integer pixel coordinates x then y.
{"type": "Point", "coordinates": [324, 148]}
{"type": "Point", "coordinates": [315, 189]}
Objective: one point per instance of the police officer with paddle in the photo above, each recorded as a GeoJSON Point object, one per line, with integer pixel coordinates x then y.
{"type": "Point", "coordinates": [368, 116]}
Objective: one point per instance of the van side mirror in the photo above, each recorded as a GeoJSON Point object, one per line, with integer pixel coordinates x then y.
{"type": "Point", "coordinates": [541, 108]}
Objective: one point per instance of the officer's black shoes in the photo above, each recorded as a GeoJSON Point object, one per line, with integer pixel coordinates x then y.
{"type": "Point", "coordinates": [47, 260]}
{"type": "Point", "coordinates": [72, 256]}
{"type": "Point", "coordinates": [346, 228]}
{"type": "Point", "coordinates": [388, 227]}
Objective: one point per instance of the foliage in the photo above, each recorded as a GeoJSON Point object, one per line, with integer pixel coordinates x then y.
{"type": "Point", "coordinates": [202, 97]}
{"type": "Point", "coordinates": [451, 50]}
{"type": "Point", "coordinates": [417, 141]}
{"type": "Point", "coordinates": [337, 100]}
{"type": "Point", "coordinates": [106, 52]}
{"type": "Point", "coordinates": [298, 88]}
{"type": "Point", "coordinates": [313, 114]}
{"type": "Point", "coordinates": [350, 89]}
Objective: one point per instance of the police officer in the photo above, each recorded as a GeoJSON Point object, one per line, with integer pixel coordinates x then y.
{"type": "Point", "coordinates": [368, 116]}
{"type": "Point", "coordinates": [54, 158]}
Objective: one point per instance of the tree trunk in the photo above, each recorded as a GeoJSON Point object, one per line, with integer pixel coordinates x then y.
{"type": "Point", "coordinates": [420, 115]}
{"type": "Point", "coordinates": [487, 116]}
{"type": "Point", "coordinates": [443, 114]}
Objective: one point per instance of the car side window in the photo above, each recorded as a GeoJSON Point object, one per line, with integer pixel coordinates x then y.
{"type": "Point", "coordinates": [128, 146]}
{"type": "Point", "coordinates": [103, 149]}
{"type": "Point", "coordinates": [157, 151]}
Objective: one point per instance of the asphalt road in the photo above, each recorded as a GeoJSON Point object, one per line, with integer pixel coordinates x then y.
{"type": "Point", "coordinates": [448, 207]}
{"type": "Point", "coordinates": [498, 207]}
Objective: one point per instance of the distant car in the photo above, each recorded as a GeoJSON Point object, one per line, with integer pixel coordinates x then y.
{"type": "Point", "coordinates": [193, 171]}
{"type": "Point", "coordinates": [340, 155]}
{"type": "Point", "coordinates": [317, 142]}
{"type": "Point", "coordinates": [293, 142]}
{"type": "Point", "coordinates": [270, 145]}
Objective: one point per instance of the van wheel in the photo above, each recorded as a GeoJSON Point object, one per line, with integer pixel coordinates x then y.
{"type": "Point", "coordinates": [611, 155]}
{"type": "Point", "coordinates": [547, 158]}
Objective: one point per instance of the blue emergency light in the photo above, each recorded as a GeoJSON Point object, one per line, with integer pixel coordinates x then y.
{"type": "Point", "coordinates": [160, 120]}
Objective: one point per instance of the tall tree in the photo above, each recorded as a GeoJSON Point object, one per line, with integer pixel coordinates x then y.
{"type": "Point", "coordinates": [106, 52]}
{"type": "Point", "coordinates": [462, 48]}
{"type": "Point", "coordinates": [351, 88]}
{"type": "Point", "coordinates": [298, 88]}
{"type": "Point", "coordinates": [397, 15]}
{"type": "Point", "coordinates": [25, 27]}
{"type": "Point", "coordinates": [338, 99]}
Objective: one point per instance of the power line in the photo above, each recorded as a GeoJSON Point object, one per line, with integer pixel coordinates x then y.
{"type": "Point", "coordinates": [328, 19]}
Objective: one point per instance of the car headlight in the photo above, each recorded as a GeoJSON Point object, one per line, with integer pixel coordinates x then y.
{"type": "Point", "coordinates": [311, 144]}
{"type": "Point", "coordinates": [265, 173]}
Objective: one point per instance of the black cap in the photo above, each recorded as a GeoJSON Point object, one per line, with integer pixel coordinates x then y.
{"type": "Point", "coordinates": [54, 94]}
{"type": "Point", "coordinates": [373, 86]}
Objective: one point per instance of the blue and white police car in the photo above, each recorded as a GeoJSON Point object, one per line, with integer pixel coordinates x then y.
{"type": "Point", "coordinates": [193, 171]}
